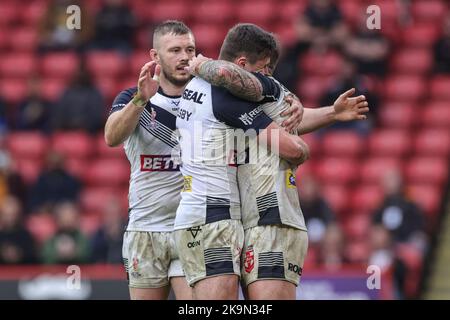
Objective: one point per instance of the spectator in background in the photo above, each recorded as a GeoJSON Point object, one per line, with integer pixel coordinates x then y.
{"type": "Point", "coordinates": [68, 245]}
{"type": "Point", "coordinates": [16, 243]}
{"type": "Point", "coordinates": [11, 182]}
{"type": "Point", "coordinates": [114, 26]}
{"type": "Point", "coordinates": [397, 224]}
{"type": "Point", "coordinates": [106, 243]}
{"type": "Point", "coordinates": [55, 36]}
{"type": "Point", "coordinates": [53, 185]}
{"type": "Point", "coordinates": [318, 28]}
{"type": "Point", "coordinates": [349, 78]}
{"type": "Point", "coordinates": [324, 234]}
{"type": "Point", "coordinates": [33, 111]}
{"type": "Point", "coordinates": [3, 117]}
{"type": "Point", "coordinates": [80, 107]}
{"type": "Point", "coordinates": [317, 213]}
{"type": "Point", "coordinates": [368, 49]}
{"type": "Point", "coordinates": [442, 48]}
{"type": "Point", "coordinates": [321, 26]}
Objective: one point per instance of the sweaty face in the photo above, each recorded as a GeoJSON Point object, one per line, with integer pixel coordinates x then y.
{"type": "Point", "coordinates": [174, 52]}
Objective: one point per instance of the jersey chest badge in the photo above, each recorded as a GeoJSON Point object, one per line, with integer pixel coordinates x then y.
{"type": "Point", "coordinates": [153, 124]}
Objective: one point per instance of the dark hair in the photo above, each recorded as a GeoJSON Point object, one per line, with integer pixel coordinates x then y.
{"type": "Point", "coordinates": [170, 26]}
{"type": "Point", "coordinates": [275, 55]}
{"type": "Point", "coordinates": [247, 39]}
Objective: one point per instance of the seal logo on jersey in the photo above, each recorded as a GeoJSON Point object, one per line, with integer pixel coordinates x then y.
{"type": "Point", "coordinates": [290, 179]}
{"type": "Point", "coordinates": [249, 262]}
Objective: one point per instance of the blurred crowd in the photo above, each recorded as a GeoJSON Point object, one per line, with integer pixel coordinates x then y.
{"type": "Point", "coordinates": [397, 226]}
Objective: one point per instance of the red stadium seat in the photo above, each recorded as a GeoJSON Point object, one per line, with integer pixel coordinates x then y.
{"type": "Point", "coordinates": [427, 170]}
{"type": "Point", "coordinates": [431, 11]}
{"type": "Point", "coordinates": [93, 199]}
{"type": "Point", "coordinates": [397, 115]}
{"type": "Point", "coordinates": [24, 39]}
{"type": "Point", "coordinates": [337, 197]}
{"type": "Point", "coordinates": [321, 64]}
{"type": "Point", "coordinates": [60, 65]}
{"type": "Point", "coordinates": [103, 151]}
{"type": "Point", "coordinates": [337, 170]}
{"type": "Point", "coordinates": [28, 168]}
{"type": "Point", "coordinates": [258, 12]}
{"type": "Point", "coordinates": [311, 88]}
{"type": "Point", "coordinates": [291, 10]}
{"type": "Point", "coordinates": [389, 142]}
{"type": "Point", "coordinates": [51, 89]}
{"type": "Point", "coordinates": [428, 197]}
{"type": "Point", "coordinates": [285, 33]}
{"type": "Point", "coordinates": [41, 226]}
{"type": "Point", "coordinates": [412, 61]}
{"type": "Point", "coordinates": [90, 223]}
{"type": "Point", "coordinates": [27, 145]}
{"type": "Point", "coordinates": [164, 10]}
{"type": "Point", "coordinates": [342, 143]}
{"type": "Point", "coordinates": [420, 35]}
{"type": "Point", "coordinates": [13, 90]}
{"type": "Point", "coordinates": [366, 198]}
{"type": "Point", "coordinates": [213, 12]}
{"type": "Point", "coordinates": [32, 13]}
{"type": "Point", "coordinates": [356, 226]}
{"type": "Point", "coordinates": [357, 251]}
{"type": "Point", "coordinates": [76, 166]}
{"type": "Point", "coordinates": [107, 172]}
{"type": "Point", "coordinates": [352, 11]}
{"type": "Point", "coordinates": [106, 63]}
{"type": "Point", "coordinates": [208, 38]}
{"type": "Point", "coordinates": [20, 65]}
{"type": "Point", "coordinates": [9, 11]}
{"type": "Point", "coordinates": [374, 167]}
{"type": "Point", "coordinates": [108, 87]}
{"type": "Point", "coordinates": [404, 88]}
{"type": "Point", "coordinates": [436, 115]}
{"type": "Point", "coordinates": [439, 87]}
{"type": "Point", "coordinates": [75, 144]}
{"type": "Point", "coordinates": [433, 142]}
{"type": "Point", "coordinates": [137, 61]}
{"type": "Point", "coordinates": [390, 10]}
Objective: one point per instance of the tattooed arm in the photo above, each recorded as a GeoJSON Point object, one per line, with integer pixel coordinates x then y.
{"type": "Point", "coordinates": [235, 79]}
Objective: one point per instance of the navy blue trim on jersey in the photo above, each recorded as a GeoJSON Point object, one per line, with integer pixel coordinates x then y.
{"type": "Point", "coordinates": [236, 112]}
{"type": "Point", "coordinates": [269, 216]}
{"type": "Point", "coordinates": [271, 90]}
{"type": "Point", "coordinates": [218, 261]}
{"type": "Point", "coordinates": [122, 99]}
{"type": "Point", "coordinates": [163, 116]}
{"type": "Point", "coordinates": [216, 213]}
{"type": "Point", "coordinates": [161, 92]}
{"type": "Point", "coordinates": [221, 267]}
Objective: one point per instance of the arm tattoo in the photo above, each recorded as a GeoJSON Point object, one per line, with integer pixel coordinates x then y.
{"type": "Point", "coordinates": [235, 79]}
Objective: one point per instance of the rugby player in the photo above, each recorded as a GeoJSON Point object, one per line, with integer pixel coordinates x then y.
{"type": "Point", "coordinates": [143, 118]}
{"type": "Point", "coordinates": [208, 230]}
{"type": "Point", "coordinates": [275, 233]}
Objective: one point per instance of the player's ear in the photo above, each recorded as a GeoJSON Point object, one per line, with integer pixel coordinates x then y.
{"type": "Point", "coordinates": [241, 61]}
{"type": "Point", "coordinates": [154, 55]}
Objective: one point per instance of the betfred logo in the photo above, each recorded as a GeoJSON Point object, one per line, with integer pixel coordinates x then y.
{"type": "Point", "coordinates": [158, 163]}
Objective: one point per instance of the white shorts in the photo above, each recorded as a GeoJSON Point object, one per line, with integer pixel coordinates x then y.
{"type": "Point", "coordinates": [150, 259]}
{"type": "Point", "coordinates": [273, 252]}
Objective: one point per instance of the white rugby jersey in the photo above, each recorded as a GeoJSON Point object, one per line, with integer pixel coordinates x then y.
{"type": "Point", "coordinates": [155, 180]}
{"type": "Point", "coordinates": [206, 123]}
{"type": "Point", "coordinates": [267, 189]}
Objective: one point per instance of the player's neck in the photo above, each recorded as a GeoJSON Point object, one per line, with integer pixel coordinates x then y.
{"type": "Point", "coordinates": [169, 88]}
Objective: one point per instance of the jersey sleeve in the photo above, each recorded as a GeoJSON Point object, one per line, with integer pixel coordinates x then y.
{"type": "Point", "coordinates": [238, 113]}
{"type": "Point", "coordinates": [271, 89]}
{"type": "Point", "coordinates": [122, 99]}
